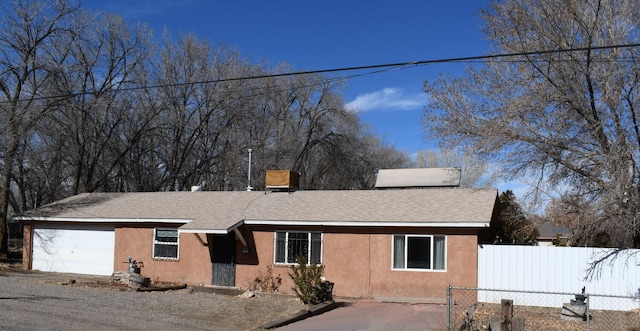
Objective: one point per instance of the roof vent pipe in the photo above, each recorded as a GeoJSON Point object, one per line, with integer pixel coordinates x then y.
{"type": "Point", "coordinates": [249, 188]}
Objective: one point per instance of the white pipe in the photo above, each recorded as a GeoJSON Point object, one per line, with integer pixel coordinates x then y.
{"type": "Point", "coordinates": [249, 188]}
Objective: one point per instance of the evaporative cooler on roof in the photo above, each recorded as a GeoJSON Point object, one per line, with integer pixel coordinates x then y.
{"type": "Point", "coordinates": [282, 180]}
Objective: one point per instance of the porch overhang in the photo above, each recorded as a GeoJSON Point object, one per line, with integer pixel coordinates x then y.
{"type": "Point", "coordinates": [233, 228]}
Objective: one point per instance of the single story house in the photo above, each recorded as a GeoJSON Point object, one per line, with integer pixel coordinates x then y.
{"type": "Point", "coordinates": [400, 243]}
{"type": "Point", "coordinates": [550, 234]}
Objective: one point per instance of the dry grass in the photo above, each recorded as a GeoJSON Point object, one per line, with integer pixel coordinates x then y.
{"type": "Point", "coordinates": [548, 319]}
{"type": "Point", "coordinates": [13, 260]}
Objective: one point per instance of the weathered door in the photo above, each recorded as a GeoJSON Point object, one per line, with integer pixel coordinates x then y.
{"type": "Point", "coordinates": [223, 259]}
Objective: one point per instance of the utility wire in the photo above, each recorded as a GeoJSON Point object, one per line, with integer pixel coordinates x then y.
{"type": "Point", "coordinates": [343, 69]}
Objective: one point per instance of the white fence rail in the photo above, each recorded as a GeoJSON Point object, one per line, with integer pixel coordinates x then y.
{"type": "Point", "coordinates": [556, 269]}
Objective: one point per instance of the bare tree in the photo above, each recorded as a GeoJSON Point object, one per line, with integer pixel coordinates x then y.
{"type": "Point", "coordinates": [474, 171]}
{"type": "Point", "coordinates": [567, 210]}
{"type": "Point", "coordinates": [42, 174]}
{"type": "Point", "coordinates": [99, 120]}
{"type": "Point", "coordinates": [198, 110]}
{"type": "Point", "coordinates": [89, 104]}
{"type": "Point", "coordinates": [30, 32]}
{"type": "Point", "coordinates": [92, 121]}
{"type": "Point", "coordinates": [565, 117]}
{"type": "Point", "coordinates": [300, 123]}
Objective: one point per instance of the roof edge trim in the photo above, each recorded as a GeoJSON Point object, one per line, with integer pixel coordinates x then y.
{"type": "Point", "coordinates": [373, 224]}
{"type": "Point", "coordinates": [210, 231]}
{"type": "Point", "coordinates": [101, 220]}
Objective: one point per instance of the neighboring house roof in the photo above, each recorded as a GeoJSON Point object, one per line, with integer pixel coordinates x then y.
{"type": "Point", "coordinates": [550, 231]}
{"type": "Point", "coordinates": [216, 212]}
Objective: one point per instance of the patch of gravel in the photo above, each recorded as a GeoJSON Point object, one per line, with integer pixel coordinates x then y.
{"type": "Point", "coordinates": [39, 301]}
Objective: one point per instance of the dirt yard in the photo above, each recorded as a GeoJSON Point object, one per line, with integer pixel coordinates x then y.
{"type": "Point", "coordinates": [42, 301]}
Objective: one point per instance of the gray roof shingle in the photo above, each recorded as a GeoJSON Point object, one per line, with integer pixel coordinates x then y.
{"type": "Point", "coordinates": [221, 211]}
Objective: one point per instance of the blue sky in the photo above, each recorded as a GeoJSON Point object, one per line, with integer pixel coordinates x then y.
{"type": "Point", "coordinates": [334, 34]}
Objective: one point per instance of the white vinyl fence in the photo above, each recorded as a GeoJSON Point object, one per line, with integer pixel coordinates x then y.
{"type": "Point", "coordinates": [557, 270]}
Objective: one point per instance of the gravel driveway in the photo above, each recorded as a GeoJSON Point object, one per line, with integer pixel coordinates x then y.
{"type": "Point", "coordinates": [38, 301]}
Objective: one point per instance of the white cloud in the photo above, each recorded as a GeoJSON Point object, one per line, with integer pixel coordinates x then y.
{"type": "Point", "coordinates": [390, 98]}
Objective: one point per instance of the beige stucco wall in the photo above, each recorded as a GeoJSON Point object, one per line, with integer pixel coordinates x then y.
{"type": "Point", "coordinates": [461, 269]}
{"type": "Point", "coordinates": [358, 261]}
{"type": "Point", "coordinates": [254, 263]}
{"type": "Point", "coordinates": [192, 267]}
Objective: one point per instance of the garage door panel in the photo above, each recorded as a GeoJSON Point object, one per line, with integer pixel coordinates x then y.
{"type": "Point", "coordinates": [74, 262]}
{"type": "Point", "coordinates": [90, 256]}
{"type": "Point", "coordinates": [88, 250]}
{"type": "Point", "coordinates": [86, 239]}
{"type": "Point", "coordinates": [61, 261]}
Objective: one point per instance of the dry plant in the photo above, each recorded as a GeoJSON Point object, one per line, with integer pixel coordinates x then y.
{"type": "Point", "coordinates": [266, 282]}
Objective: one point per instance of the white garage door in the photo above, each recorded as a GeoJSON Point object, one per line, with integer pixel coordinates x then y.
{"type": "Point", "coordinates": [80, 250]}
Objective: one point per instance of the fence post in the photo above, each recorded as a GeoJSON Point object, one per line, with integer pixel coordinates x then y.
{"type": "Point", "coordinates": [449, 307]}
{"type": "Point", "coordinates": [507, 314]}
{"type": "Point", "coordinates": [588, 300]}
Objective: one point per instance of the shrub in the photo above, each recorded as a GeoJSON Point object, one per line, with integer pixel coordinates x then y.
{"type": "Point", "coordinates": [266, 282]}
{"type": "Point", "coordinates": [310, 286]}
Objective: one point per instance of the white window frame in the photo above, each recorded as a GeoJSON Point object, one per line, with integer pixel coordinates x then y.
{"type": "Point", "coordinates": [157, 242]}
{"type": "Point", "coordinates": [432, 250]}
{"type": "Point", "coordinates": [286, 243]}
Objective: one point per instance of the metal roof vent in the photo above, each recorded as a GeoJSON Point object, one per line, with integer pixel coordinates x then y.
{"type": "Point", "coordinates": [282, 181]}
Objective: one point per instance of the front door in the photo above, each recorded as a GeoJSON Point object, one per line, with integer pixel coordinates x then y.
{"type": "Point", "coordinates": [223, 259]}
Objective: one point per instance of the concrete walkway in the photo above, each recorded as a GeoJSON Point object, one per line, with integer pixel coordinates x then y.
{"type": "Point", "coordinates": [372, 315]}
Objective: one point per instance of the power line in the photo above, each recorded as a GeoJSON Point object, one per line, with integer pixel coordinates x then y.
{"type": "Point", "coordinates": [402, 64]}
{"type": "Point", "coordinates": [379, 68]}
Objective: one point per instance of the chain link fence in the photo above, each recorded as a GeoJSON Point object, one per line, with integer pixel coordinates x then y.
{"type": "Point", "coordinates": [472, 308]}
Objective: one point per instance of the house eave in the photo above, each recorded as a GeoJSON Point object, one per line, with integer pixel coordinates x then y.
{"type": "Point", "coordinates": [372, 224]}
{"type": "Point", "coordinates": [100, 220]}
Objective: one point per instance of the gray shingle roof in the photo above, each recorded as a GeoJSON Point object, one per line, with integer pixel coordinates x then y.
{"type": "Point", "coordinates": [221, 211]}
{"type": "Point", "coordinates": [551, 231]}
